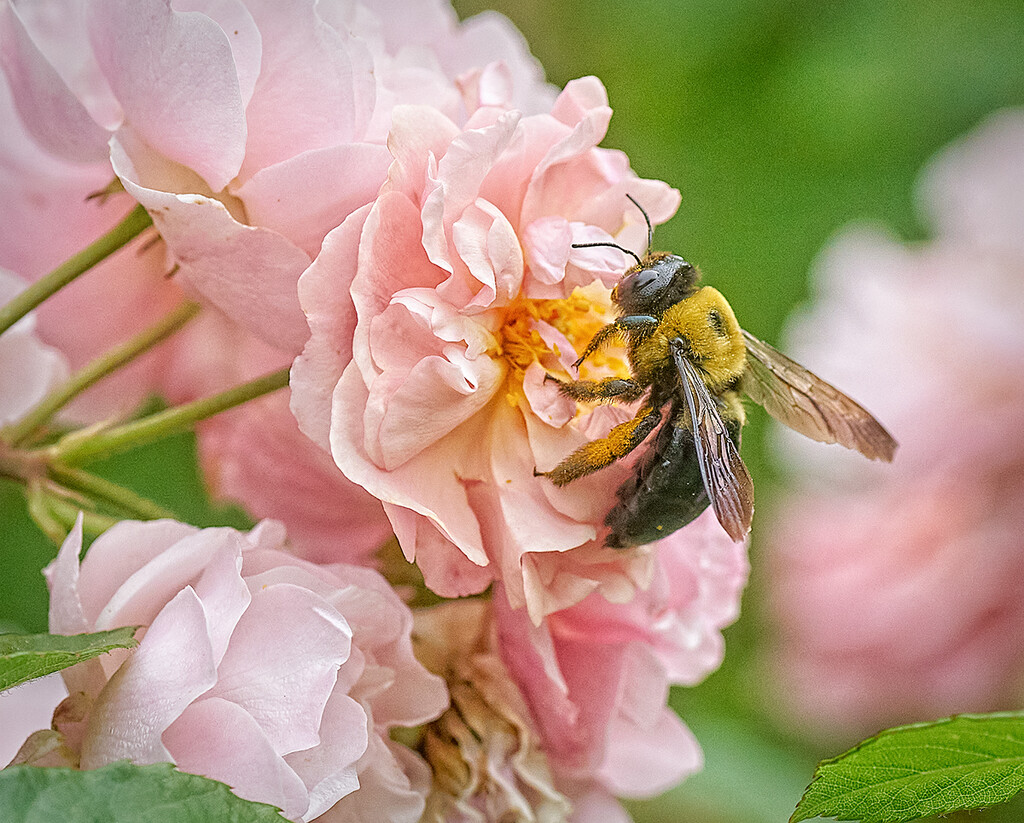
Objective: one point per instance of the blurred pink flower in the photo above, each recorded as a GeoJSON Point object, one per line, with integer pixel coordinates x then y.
{"type": "Point", "coordinates": [246, 648]}
{"type": "Point", "coordinates": [28, 367]}
{"type": "Point", "coordinates": [26, 709]}
{"type": "Point", "coordinates": [895, 587]}
{"type": "Point", "coordinates": [256, 455]}
{"type": "Point", "coordinates": [436, 314]}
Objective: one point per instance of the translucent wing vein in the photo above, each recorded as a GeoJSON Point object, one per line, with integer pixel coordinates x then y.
{"type": "Point", "coordinates": [726, 479]}
{"type": "Point", "coordinates": [807, 404]}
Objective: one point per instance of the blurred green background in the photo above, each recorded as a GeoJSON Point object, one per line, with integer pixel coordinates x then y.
{"type": "Point", "coordinates": [779, 122]}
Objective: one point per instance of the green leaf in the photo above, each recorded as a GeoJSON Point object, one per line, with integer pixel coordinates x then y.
{"type": "Point", "coordinates": [962, 762]}
{"type": "Point", "coordinates": [123, 793]}
{"type": "Point", "coordinates": [28, 656]}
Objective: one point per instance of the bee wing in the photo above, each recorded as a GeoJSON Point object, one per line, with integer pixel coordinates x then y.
{"type": "Point", "coordinates": [726, 479]}
{"type": "Point", "coordinates": [807, 404]}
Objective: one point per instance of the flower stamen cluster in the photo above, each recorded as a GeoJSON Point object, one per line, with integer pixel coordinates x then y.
{"type": "Point", "coordinates": [577, 318]}
{"type": "Point", "coordinates": [487, 759]}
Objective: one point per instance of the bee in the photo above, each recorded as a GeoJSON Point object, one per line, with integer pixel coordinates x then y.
{"type": "Point", "coordinates": [690, 364]}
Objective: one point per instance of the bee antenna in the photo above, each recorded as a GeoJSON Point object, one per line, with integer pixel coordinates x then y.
{"type": "Point", "coordinates": [632, 254]}
{"type": "Point", "coordinates": [647, 220]}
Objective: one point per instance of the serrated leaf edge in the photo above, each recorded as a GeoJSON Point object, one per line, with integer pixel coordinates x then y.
{"type": "Point", "coordinates": [798, 814]}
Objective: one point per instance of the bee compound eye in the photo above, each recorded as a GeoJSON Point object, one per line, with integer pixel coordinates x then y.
{"type": "Point", "coordinates": [647, 281]}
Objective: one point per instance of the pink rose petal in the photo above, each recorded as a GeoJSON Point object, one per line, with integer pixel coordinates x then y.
{"type": "Point", "coordinates": [248, 272]}
{"type": "Point", "coordinates": [174, 74]}
{"type": "Point", "coordinates": [66, 613]}
{"type": "Point", "coordinates": [328, 516]}
{"type": "Point", "coordinates": [446, 567]}
{"type": "Point", "coordinates": [319, 89]}
{"type": "Point", "coordinates": [305, 196]}
{"type": "Point", "coordinates": [28, 369]}
{"type": "Point", "coordinates": [219, 739]}
{"type": "Point", "coordinates": [49, 110]}
{"type": "Point", "coordinates": [171, 667]}
{"type": "Point", "coordinates": [60, 31]}
{"type": "Point", "coordinates": [384, 783]}
{"type": "Point", "coordinates": [144, 592]}
{"type": "Point", "coordinates": [242, 33]}
{"type": "Point", "coordinates": [443, 494]}
{"type": "Point", "coordinates": [329, 769]}
{"type": "Point", "coordinates": [327, 302]}
{"type": "Point", "coordinates": [417, 133]}
{"type": "Point", "coordinates": [264, 669]}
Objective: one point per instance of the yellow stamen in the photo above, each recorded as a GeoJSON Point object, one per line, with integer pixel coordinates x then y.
{"type": "Point", "coordinates": [578, 317]}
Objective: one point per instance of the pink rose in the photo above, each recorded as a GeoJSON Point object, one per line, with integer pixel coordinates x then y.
{"type": "Point", "coordinates": [596, 675]}
{"type": "Point", "coordinates": [895, 587]}
{"type": "Point", "coordinates": [563, 717]}
{"type": "Point", "coordinates": [435, 315]}
{"type": "Point", "coordinates": [246, 648]}
{"type": "Point", "coordinates": [248, 130]}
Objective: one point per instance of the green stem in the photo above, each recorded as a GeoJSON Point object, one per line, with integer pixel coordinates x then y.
{"type": "Point", "coordinates": [41, 515]}
{"type": "Point", "coordinates": [20, 465]}
{"type": "Point", "coordinates": [64, 513]}
{"type": "Point", "coordinates": [88, 444]}
{"type": "Point", "coordinates": [132, 225]}
{"type": "Point", "coordinates": [118, 496]}
{"type": "Point", "coordinates": [17, 432]}
{"type": "Point", "coordinates": [55, 513]}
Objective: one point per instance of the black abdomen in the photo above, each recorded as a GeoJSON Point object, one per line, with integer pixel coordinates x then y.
{"type": "Point", "coordinates": [665, 491]}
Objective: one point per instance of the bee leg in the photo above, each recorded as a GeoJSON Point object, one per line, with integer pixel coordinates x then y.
{"type": "Point", "coordinates": [611, 388]}
{"type": "Point", "coordinates": [597, 454]}
{"type": "Point", "coordinates": [632, 322]}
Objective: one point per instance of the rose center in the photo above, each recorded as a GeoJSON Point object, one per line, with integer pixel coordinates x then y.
{"type": "Point", "coordinates": [522, 340]}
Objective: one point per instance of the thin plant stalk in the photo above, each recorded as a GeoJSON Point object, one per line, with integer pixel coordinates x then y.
{"type": "Point", "coordinates": [19, 431]}
{"type": "Point", "coordinates": [89, 444]}
{"type": "Point", "coordinates": [134, 224]}
{"type": "Point", "coordinates": [42, 516]}
{"type": "Point", "coordinates": [64, 512]}
{"type": "Point", "coordinates": [127, 501]}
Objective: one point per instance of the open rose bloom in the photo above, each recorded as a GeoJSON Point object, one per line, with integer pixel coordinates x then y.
{"type": "Point", "coordinates": [896, 591]}
{"type": "Point", "coordinates": [572, 713]}
{"type": "Point", "coordinates": [248, 130]}
{"type": "Point", "coordinates": [245, 649]}
{"type": "Point", "coordinates": [436, 314]}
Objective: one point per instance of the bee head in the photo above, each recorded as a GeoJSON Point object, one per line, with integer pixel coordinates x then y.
{"type": "Point", "coordinates": [660, 281]}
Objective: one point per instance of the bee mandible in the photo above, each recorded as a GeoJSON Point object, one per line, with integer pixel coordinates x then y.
{"type": "Point", "coordinates": [690, 364]}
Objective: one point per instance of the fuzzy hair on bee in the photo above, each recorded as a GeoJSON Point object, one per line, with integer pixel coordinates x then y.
{"type": "Point", "coordinates": [690, 363]}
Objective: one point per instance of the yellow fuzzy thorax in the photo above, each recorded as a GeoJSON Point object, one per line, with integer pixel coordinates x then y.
{"type": "Point", "coordinates": [707, 323]}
